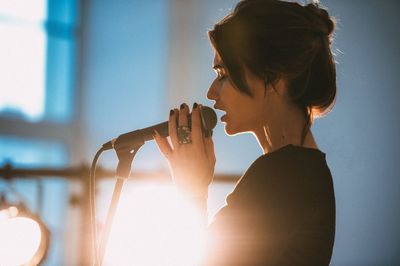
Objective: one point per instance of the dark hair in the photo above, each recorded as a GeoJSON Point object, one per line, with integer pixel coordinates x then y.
{"type": "Point", "coordinates": [275, 39]}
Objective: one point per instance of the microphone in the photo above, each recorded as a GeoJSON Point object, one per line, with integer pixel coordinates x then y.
{"type": "Point", "coordinates": [137, 137]}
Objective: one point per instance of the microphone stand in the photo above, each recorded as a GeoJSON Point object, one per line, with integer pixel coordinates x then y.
{"type": "Point", "coordinates": [125, 157]}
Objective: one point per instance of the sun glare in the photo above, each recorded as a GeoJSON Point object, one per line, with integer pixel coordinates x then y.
{"type": "Point", "coordinates": [155, 225]}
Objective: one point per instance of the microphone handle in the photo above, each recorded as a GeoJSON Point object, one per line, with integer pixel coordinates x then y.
{"type": "Point", "coordinates": [140, 136]}
{"type": "Point", "coordinates": [145, 134]}
{"type": "Point", "coordinates": [162, 129]}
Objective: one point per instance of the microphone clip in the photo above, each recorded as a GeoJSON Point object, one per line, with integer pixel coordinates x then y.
{"type": "Point", "coordinates": [125, 158]}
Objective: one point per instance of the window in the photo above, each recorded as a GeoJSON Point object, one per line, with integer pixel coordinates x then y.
{"type": "Point", "coordinates": [23, 52]}
{"type": "Point", "coordinates": [37, 86]}
{"type": "Point", "coordinates": [37, 66]}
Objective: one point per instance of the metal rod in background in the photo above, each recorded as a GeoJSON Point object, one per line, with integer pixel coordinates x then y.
{"type": "Point", "coordinates": [78, 173]}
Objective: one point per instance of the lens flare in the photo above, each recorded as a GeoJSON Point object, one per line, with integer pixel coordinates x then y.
{"type": "Point", "coordinates": [155, 225]}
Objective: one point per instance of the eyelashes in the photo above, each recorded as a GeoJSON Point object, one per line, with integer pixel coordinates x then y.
{"type": "Point", "coordinates": [220, 75]}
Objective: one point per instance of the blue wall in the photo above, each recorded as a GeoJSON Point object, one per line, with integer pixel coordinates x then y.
{"type": "Point", "coordinates": [126, 46]}
{"type": "Point", "coordinates": [361, 135]}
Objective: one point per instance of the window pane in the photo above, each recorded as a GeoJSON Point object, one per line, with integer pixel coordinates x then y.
{"type": "Point", "coordinates": [32, 10]}
{"type": "Point", "coordinates": [22, 64]}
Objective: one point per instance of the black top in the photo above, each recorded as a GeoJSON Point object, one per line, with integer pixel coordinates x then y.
{"type": "Point", "coordinates": [282, 212]}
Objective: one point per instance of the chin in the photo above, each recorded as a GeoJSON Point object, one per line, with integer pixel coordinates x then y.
{"type": "Point", "coordinates": [231, 131]}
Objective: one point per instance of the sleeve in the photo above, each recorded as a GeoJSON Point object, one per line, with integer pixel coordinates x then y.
{"type": "Point", "coordinates": [240, 233]}
{"type": "Point", "coordinates": [257, 224]}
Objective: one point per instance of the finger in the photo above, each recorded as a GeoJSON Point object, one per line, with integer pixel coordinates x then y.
{"type": "Point", "coordinates": [183, 115]}
{"type": "Point", "coordinates": [172, 128]}
{"type": "Point", "coordinates": [209, 147]}
{"type": "Point", "coordinates": [163, 144]}
{"type": "Point", "coordinates": [196, 124]}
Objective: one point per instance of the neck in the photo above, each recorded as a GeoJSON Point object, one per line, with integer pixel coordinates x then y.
{"type": "Point", "coordinates": [285, 128]}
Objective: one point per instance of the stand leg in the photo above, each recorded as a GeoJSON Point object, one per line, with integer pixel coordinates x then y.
{"type": "Point", "coordinates": [123, 171]}
{"type": "Point", "coordinates": [110, 218]}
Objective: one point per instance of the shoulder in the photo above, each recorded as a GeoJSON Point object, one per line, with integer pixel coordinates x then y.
{"type": "Point", "coordinates": [289, 170]}
{"type": "Point", "coordinates": [287, 161]}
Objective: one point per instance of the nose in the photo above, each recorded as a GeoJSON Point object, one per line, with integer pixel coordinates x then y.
{"type": "Point", "coordinates": [212, 93]}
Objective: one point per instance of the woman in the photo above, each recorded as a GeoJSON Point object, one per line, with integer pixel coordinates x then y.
{"type": "Point", "coordinates": [275, 73]}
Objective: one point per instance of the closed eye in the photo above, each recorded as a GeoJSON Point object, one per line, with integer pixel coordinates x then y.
{"type": "Point", "coordinates": [220, 76]}
{"type": "Point", "coordinates": [220, 71]}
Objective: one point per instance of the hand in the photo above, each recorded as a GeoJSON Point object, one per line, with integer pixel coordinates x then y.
{"type": "Point", "coordinates": [192, 164]}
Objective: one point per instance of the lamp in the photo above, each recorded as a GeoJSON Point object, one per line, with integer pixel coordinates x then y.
{"type": "Point", "coordinates": [24, 237]}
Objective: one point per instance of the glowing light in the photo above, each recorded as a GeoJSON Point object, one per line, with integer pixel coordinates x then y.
{"type": "Point", "coordinates": [155, 225]}
{"type": "Point", "coordinates": [10, 212]}
{"type": "Point", "coordinates": [19, 241]}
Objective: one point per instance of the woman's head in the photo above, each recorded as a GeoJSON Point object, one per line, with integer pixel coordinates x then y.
{"type": "Point", "coordinates": [277, 40]}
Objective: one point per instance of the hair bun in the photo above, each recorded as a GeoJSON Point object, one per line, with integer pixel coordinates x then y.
{"type": "Point", "coordinates": [322, 22]}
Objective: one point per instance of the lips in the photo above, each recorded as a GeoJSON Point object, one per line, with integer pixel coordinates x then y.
{"type": "Point", "coordinates": [223, 117]}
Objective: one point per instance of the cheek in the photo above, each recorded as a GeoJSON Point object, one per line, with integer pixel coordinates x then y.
{"type": "Point", "coordinates": [246, 115]}
{"type": "Point", "coordinates": [229, 96]}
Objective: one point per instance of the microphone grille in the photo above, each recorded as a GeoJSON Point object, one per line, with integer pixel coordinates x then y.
{"type": "Point", "coordinates": [209, 117]}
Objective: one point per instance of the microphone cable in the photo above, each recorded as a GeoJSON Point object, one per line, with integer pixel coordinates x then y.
{"type": "Point", "coordinates": [92, 203]}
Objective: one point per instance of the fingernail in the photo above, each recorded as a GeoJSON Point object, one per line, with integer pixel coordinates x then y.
{"type": "Point", "coordinates": [171, 112]}
{"type": "Point", "coordinates": [195, 105]}
{"type": "Point", "coordinates": [182, 106]}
